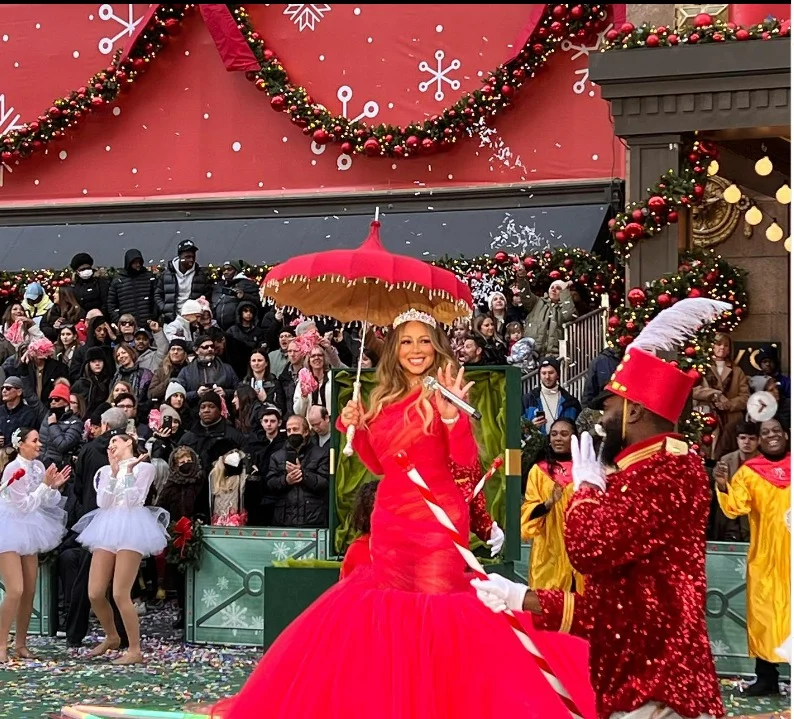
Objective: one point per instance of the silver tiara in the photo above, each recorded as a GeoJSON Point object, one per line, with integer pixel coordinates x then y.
{"type": "Point", "coordinates": [413, 315]}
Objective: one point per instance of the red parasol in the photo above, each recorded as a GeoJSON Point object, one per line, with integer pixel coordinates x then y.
{"type": "Point", "coordinates": [367, 284]}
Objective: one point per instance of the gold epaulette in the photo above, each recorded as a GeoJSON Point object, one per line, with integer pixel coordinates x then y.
{"type": "Point", "coordinates": [676, 446]}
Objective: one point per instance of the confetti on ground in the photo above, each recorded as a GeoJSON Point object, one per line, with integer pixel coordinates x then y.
{"type": "Point", "coordinates": [177, 676]}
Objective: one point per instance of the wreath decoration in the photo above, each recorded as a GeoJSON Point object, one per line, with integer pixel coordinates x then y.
{"type": "Point", "coordinates": [438, 133]}
{"type": "Point", "coordinates": [184, 545]}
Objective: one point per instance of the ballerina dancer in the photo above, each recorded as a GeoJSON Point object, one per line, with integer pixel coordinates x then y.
{"type": "Point", "coordinates": [120, 533]}
{"type": "Point", "coordinates": [411, 614]}
{"type": "Point", "coordinates": [32, 521]}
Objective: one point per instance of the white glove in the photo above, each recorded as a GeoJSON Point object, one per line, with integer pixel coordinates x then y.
{"type": "Point", "coordinates": [500, 594]}
{"type": "Point", "coordinates": [497, 539]}
{"type": "Point", "coordinates": [586, 467]}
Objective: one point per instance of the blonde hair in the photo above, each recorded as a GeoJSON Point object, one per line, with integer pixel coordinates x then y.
{"type": "Point", "coordinates": [392, 383]}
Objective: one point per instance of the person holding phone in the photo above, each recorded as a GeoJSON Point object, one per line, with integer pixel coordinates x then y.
{"type": "Point", "coordinates": [165, 434]}
{"type": "Point", "coordinates": [549, 402]}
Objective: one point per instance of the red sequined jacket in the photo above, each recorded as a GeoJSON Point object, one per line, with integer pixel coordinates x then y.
{"type": "Point", "coordinates": [642, 547]}
{"type": "Point", "coordinates": [466, 478]}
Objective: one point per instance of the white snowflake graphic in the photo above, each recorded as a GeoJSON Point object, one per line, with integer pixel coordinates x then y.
{"type": "Point", "coordinates": [580, 85]}
{"type": "Point", "coordinates": [438, 75]}
{"type": "Point", "coordinates": [3, 169]}
{"type": "Point", "coordinates": [306, 16]}
{"type": "Point", "coordinates": [501, 153]}
{"type": "Point", "coordinates": [234, 617]}
{"type": "Point", "coordinates": [719, 648]}
{"type": "Point", "coordinates": [371, 108]}
{"type": "Point", "coordinates": [741, 568]}
{"type": "Point", "coordinates": [257, 623]}
{"type": "Point", "coordinates": [281, 550]}
{"type": "Point", "coordinates": [209, 598]}
{"type": "Point", "coordinates": [8, 118]}
{"type": "Point", "coordinates": [517, 239]}
{"type": "Point", "coordinates": [128, 26]}
{"type": "Point", "coordinates": [222, 583]}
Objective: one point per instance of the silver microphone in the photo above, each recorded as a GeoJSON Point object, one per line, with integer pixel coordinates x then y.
{"type": "Point", "coordinates": [433, 384]}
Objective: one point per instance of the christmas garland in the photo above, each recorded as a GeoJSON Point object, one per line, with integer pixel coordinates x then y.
{"type": "Point", "coordinates": [674, 190]}
{"type": "Point", "coordinates": [184, 545]}
{"type": "Point", "coordinates": [438, 133]}
{"type": "Point", "coordinates": [441, 131]}
{"type": "Point", "coordinates": [703, 274]}
{"type": "Point", "coordinates": [486, 274]}
{"type": "Point", "coordinates": [705, 30]}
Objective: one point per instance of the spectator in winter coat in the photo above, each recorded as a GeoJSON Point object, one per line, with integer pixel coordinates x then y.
{"type": "Point", "coordinates": [180, 281]}
{"type": "Point", "coordinates": [39, 365]}
{"type": "Point", "coordinates": [207, 371]}
{"type": "Point", "coordinates": [289, 377]}
{"type": "Point", "coordinates": [267, 387]}
{"type": "Point", "coordinates": [263, 442]}
{"type": "Point", "coordinates": [176, 397]}
{"type": "Point", "coordinates": [185, 327]}
{"type": "Point", "coordinates": [212, 436]}
{"type": "Point", "coordinates": [36, 303]}
{"type": "Point", "coordinates": [100, 336]}
{"type": "Point", "coordinates": [91, 291]}
{"type": "Point", "coordinates": [246, 330]}
{"type": "Point", "coordinates": [149, 357]}
{"type": "Point", "coordinates": [65, 311]}
{"type": "Point", "coordinates": [128, 370]}
{"type": "Point", "coordinates": [546, 404]}
{"type": "Point", "coordinates": [545, 315]}
{"type": "Point", "coordinates": [169, 369]}
{"type": "Point", "coordinates": [278, 357]}
{"type": "Point", "coordinates": [167, 432]}
{"type": "Point", "coordinates": [132, 291]}
{"type": "Point", "coordinates": [600, 372]}
{"type": "Point", "coordinates": [232, 289]}
{"type": "Point", "coordinates": [94, 384]}
{"type": "Point", "coordinates": [298, 476]}
{"type": "Point", "coordinates": [61, 433]}
{"type": "Point", "coordinates": [14, 412]}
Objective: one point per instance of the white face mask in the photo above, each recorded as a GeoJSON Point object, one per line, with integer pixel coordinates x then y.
{"type": "Point", "coordinates": [85, 274]}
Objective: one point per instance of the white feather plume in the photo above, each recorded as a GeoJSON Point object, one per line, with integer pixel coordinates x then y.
{"type": "Point", "coordinates": [674, 326]}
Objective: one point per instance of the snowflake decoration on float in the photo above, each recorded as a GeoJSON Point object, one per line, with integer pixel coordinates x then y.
{"type": "Point", "coordinates": [235, 617]}
{"type": "Point", "coordinates": [371, 108]}
{"type": "Point", "coordinates": [281, 551]}
{"type": "Point", "coordinates": [567, 45]}
{"type": "Point", "coordinates": [222, 583]}
{"type": "Point", "coordinates": [209, 598]}
{"type": "Point", "coordinates": [719, 648]}
{"type": "Point", "coordinates": [438, 75]}
{"type": "Point", "coordinates": [306, 16]}
{"type": "Point", "coordinates": [127, 26]}
{"type": "Point", "coordinates": [741, 568]}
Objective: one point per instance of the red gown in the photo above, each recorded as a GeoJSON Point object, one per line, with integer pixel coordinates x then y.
{"type": "Point", "coordinates": [406, 637]}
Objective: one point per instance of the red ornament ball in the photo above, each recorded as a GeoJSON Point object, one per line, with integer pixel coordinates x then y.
{"type": "Point", "coordinates": [492, 271]}
{"type": "Point", "coordinates": [614, 321]}
{"type": "Point", "coordinates": [664, 300]}
{"type": "Point", "coordinates": [428, 144]}
{"type": "Point", "coordinates": [277, 102]}
{"type": "Point", "coordinates": [620, 237]}
{"type": "Point", "coordinates": [710, 420]}
{"type": "Point", "coordinates": [703, 20]}
{"type": "Point", "coordinates": [672, 39]}
{"type": "Point", "coordinates": [559, 12]}
{"type": "Point", "coordinates": [478, 275]}
{"type": "Point", "coordinates": [567, 262]}
{"type": "Point", "coordinates": [636, 296]}
{"type": "Point", "coordinates": [695, 292]}
{"type": "Point", "coordinates": [631, 326]}
{"type": "Point", "coordinates": [742, 34]}
{"type": "Point", "coordinates": [625, 340]}
{"type": "Point", "coordinates": [690, 351]}
{"type": "Point", "coordinates": [268, 54]}
{"type": "Point", "coordinates": [634, 230]}
{"type": "Point", "coordinates": [412, 141]}
{"type": "Point", "coordinates": [718, 37]}
{"type": "Point", "coordinates": [555, 274]}
{"type": "Point", "coordinates": [556, 28]}
{"type": "Point", "coordinates": [698, 191]}
{"type": "Point", "coordinates": [656, 203]}
{"type": "Point", "coordinates": [626, 28]}
{"type": "Point", "coordinates": [707, 439]}
{"type": "Point", "coordinates": [684, 268]}
{"type": "Point", "coordinates": [694, 38]}
{"type": "Point", "coordinates": [637, 216]}
{"type": "Point", "coordinates": [652, 40]}
{"type": "Point", "coordinates": [577, 11]}
{"type": "Point", "coordinates": [508, 91]}
{"type": "Point", "coordinates": [584, 279]}
{"type": "Point", "coordinates": [321, 137]}
{"type": "Point", "coordinates": [500, 256]}
{"type": "Point", "coordinates": [530, 262]}
{"type": "Point", "coordinates": [538, 48]}
{"type": "Point", "coordinates": [372, 147]}
{"type": "Point", "coordinates": [672, 217]}
{"type": "Point", "coordinates": [739, 312]}
{"type": "Point", "coordinates": [612, 35]}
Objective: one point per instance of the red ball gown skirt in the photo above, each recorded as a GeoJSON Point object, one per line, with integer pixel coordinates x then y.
{"type": "Point", "coordinates": [406, 637]}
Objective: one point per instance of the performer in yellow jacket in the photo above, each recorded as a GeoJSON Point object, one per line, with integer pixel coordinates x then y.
{"type": "Point", "coordinates": [762, 489]}
{"type": "Point", "coordinates": [549, 489]}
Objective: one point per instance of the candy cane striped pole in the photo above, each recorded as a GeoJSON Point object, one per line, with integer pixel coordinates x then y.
{"type": "Point", "coordinates": [497, 463]}
{"type": "Point", "coordinates": [462, 545]}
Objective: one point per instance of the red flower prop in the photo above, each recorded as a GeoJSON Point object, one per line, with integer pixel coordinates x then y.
{"type": "Point", "coordinates": [18, 474]}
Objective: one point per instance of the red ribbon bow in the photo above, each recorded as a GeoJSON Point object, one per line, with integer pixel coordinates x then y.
{"type": "Point", "coordinates": [18, 474]}
{"type": "Point", "coordinates": [184, 533]}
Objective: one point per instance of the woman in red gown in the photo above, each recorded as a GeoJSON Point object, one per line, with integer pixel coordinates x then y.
{"type": "Point", "coordinates": [406, 637]}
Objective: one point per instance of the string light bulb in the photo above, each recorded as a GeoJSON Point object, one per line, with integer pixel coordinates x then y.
{"type": "Point", "coordinates": [732, 194]}
{"type": "Point", "coordinates": [753, 216]}
{"type": "Point", "coordinates": [774, 233]}
{"type": "Point", "coordinates": [714, 168]}
{"type": "Point", "coordinates": [783, 195]}
{"type": "Point", "coordinates": [764, 166]}
{"type": "Point", "coordinates": [787, 244]}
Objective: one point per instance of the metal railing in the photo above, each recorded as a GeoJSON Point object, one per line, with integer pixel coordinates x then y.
{"type": "Point", "coordinates": [583, 339]}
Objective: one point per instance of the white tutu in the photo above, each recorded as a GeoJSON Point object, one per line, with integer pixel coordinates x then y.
{"type": "Point", "coordinates": [136, 529]}
{"type": "Point", "coordinates": [34, 532]}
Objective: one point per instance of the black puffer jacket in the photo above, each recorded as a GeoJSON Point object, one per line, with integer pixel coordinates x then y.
{"type": "Point", "coordinates": [132, 292]}
{"type": "Point", "coordinates": [225, 300]}
{"type": "Point", "coordinates": [165, 295]}
{"type": "Point", "coordinates": [304, 504]}
{"type": "Point", "coordinates": [92, 294]}
{"type": "Point", "coordinates": [253, 336]}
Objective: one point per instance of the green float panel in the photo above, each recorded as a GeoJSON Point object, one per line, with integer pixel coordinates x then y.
{"type": "Point", "coordinates": [225, 593]}
{"type": "Point", "coordinates": [45, 602]}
